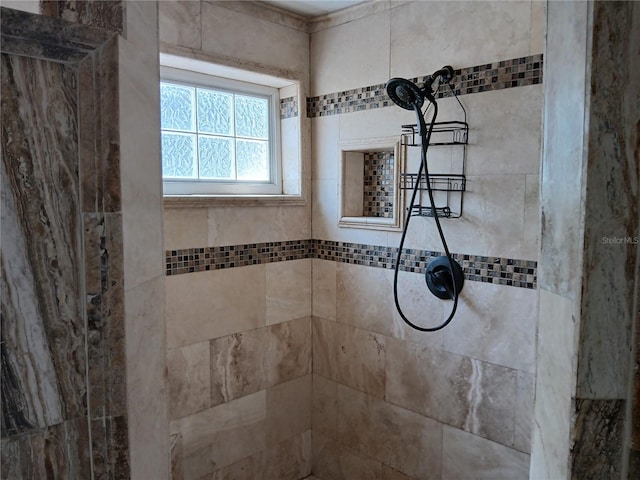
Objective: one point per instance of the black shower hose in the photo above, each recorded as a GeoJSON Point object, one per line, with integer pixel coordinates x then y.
{"type": "Point", "coordinates": [425, 136]}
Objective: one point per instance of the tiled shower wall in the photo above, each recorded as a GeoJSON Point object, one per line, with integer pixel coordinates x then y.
{"type": "Point", "coordinates": [239, 339]}
{"type": "Point", "coordinates": [389, 400]}
{"type": "Point", "coordinates": [383, 401]}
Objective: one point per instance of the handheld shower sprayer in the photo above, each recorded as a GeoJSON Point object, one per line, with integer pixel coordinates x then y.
{"type": "Point", "coordinates": [444, 276]}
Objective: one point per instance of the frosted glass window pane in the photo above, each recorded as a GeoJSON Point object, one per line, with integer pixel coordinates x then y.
{"type": "Point", "coordinates": [252, 119]}
{"type": "Point", "coordinates": [177, 107]}
{"type": "Point", "coordinates": [179, 155]}
{"type": "Point", "coordinates": [216, 157]}
{"type": "Point", "coordinates": [253, 160]}
{"type": "Point", "coordinates": [215, 112]}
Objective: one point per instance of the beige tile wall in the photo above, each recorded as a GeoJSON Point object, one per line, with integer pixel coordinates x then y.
{"type": "Point", "coordinates": [382, 401]}
{"type": "Point", "coordinates": [239, 339]}
{"type": "Point", "coordinates": [390, 402]}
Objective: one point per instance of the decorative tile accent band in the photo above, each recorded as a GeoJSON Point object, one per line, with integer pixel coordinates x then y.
{"type": "Point", "coordinates": [497, 270]}
{"type": "Point", "coordinates": [288, 107]}
{"type": "Point", "coordinates": [517, 72]}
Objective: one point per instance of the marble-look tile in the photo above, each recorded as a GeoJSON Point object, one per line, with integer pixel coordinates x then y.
{"type": "Point", "coordinates": [146, 380]}
{"type": "Point", "coordinates": [288, 290]}
{"type": "Point", "coordinates": [323, 273]}
{"type": "Point", "coordinates": [532, 228]}
{"type": "Point", "coordinates": [348, 355]}
{"type": "Point", "coordinates": [399, 438]}
{"type": "Point", "coordinates": [469, 394]}
{"type": "Point", "coordinates": [59, 451]}
{"type": "Point", "coordinates": [389, 473]}
{"type": "Point", "coordinates": [288, 409]}
{"type": "Point", "coordinates": [140, 170]}
{"type": "Point", "coordinates": [525, 392]}
{"type": "Point", "coordinates": [365, 300]}
{"type": "Point", "coordinates": [175, 450]}
{"type": "Point", "coordinates": [324, 417]}
{"type": "Point", "coordinates": [255, 43]}
{"type": "Point", "coordinates": [43, 330]}
{"type": "Point", "coordinates": [222, 435]}
{"type": "Point", "coordinates": [325, 157]}
{"type": "Point", "coordinates": [105, 314]}
{"type": "Point", "coordinates": [185, 227]}
{"type": "Point", "coordinates": [482, 229]}
{"type": "Point", "coordinates": [213, 304]}
{"type": "Point", "coordinates": [108, 15]}
{"type": "Point", "coordinates": [467, 456]}
{"type": "Point", "coordinates": [472, 20]}
{"type": "Point", "coordinates": [597, 448]}
{"type": "Point", "coordinates": [180, 23]}
{"type": "Point", "coordinates": [538, 27]}
{"type": "Point", "coordinates": [336, 461]}
{"type": "Point", "coordinates": [611, 208]}
{"type": "Point", "coordinates": [244, 363]}
{"type": "Point", "coordinates": [561, 187]}
{"type": "Point", "coordinates": [189, 379]}
{"type": "Point", "coordinates": [556, 347]}
{"type": "Point", "coordinates": [550, 443]}
{"type": "Point", "coordinates": [264, 224]}
{"type": "Point", "coordinates": [496, 324]}
{"type": "Point", "coordinates": [40, 36]}
{"type": "Point", "coordinates": [110, 447]}
{"type": "Point", "coordinates": [286, 460]}
{"type": "Point", "coordinates": [329, 55]}
{"type": "Point", "coordinates": [506, 136]}
{"type": "Point", "coordinates": [100, 130]}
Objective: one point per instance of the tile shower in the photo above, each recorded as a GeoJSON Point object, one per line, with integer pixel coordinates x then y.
{"type": "Point", "coordinates": [274, 312]}
{"type": "Point", "coordinates": [285, 355]}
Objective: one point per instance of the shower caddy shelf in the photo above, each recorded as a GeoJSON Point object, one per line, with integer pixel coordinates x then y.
{"type": "Point", "coordinates": [454, 184]}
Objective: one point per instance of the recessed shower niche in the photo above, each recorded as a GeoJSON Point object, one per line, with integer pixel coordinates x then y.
{"type": "Point", "coordinates": [368, 184]}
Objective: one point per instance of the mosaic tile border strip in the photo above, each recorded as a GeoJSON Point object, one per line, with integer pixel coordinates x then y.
{"type": "Point", "coordinates": [192, 260]}
{"type": "Point", "coordinates": [477, 268]}
{"type": "Point", "coordinates": [516, 72]}
{"type": "Point", "coordinates": [288, 107]}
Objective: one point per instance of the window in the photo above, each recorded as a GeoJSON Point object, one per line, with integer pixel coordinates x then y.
{"type": "Point", "coordinates": [219, 136]}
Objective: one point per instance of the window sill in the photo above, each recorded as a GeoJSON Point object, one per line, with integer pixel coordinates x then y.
{"type": "Point", "coordinates": [206, 201]}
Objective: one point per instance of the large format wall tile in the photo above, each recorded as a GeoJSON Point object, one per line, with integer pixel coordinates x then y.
{"type": "Point", "coordinates": [475, 396]}
{"type": "Point", "coordinates": [329, 55]}
{"type": "Point", "coordinates": [43, 330]}
{"type": "Point", "coordinates": [286, 460]}
{"type": "Point", "coordinates": [349, 355]}
{"type": "Point", "coordinates": [467, 456]}
{"type": "Point", "coordinates": [496, 325]}
{"type": "Point", "coordinates": [399, 438]}
{"type": "Point", "coordinates": [245, 363]}
{"type": "Point", "coordinates": [180, 23]}
{"type": "Point", "coordinates": [222, 435]}
{"type": "Point", "coordinates": [288, 409]}
{"type": "Point", "coordinates": [288, 290]}
{"type": "Point", "coordinates": [256, 43]}
{"type": "Point", "coordinates": [336, 461]}
{"type": "Point", "coordinates": [324, 288]}
{"type": "Point", "coordinates": [419, 25]}
{"type": "Point", "coordinates": [212, 304]}
{"type": "Point", "coordinates": [189, 379]}
{"type": "Point", "coordinates": [324, 416]}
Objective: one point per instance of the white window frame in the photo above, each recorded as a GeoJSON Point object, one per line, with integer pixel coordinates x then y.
{"type": "Point", "coordinates": [172, 186]}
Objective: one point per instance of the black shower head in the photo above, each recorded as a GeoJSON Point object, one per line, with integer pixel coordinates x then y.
{"type": "Point", "coordinates": [404, 93]}
{"type": "Point", "coordinates": [408, 95]}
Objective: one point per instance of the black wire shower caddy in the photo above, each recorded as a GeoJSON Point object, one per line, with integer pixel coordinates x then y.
{"type": "Point", "coordinates": [444, 134]}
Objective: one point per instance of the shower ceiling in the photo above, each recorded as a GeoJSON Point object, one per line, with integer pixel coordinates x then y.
{"type": "Point", "coordinates": [313, 8]}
